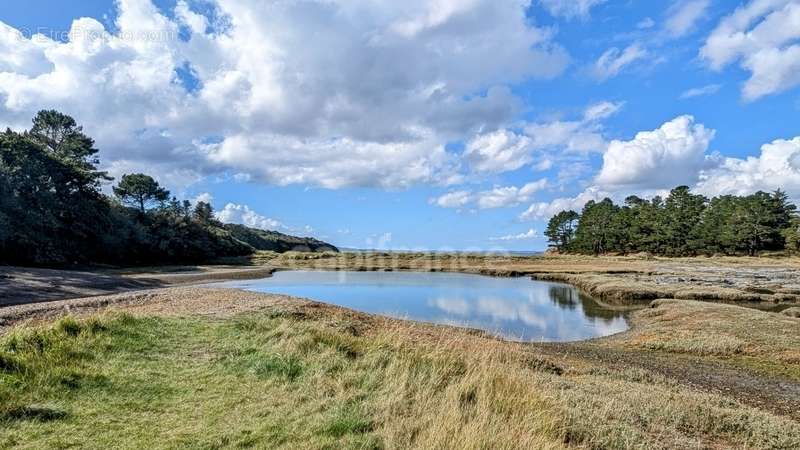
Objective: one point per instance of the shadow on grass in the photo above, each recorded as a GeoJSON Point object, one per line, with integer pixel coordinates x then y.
{"type": "Point", "coordinates": [33, 413]}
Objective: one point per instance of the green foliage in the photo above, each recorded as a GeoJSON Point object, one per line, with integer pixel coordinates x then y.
{"type": "Point", "coordinates": [64, 140]}
{"type": "Point", "coordinates": [277, 242]}
{"type": "Point", "coordinates": [50, 203]}
{"type": "Point", "coordinates": [682, 216]}
{"type": "Point", "coordinates": [792, 235]}
{"type": "Point", "coordinates": [683, 224]}
{"type": "Point", "coordinates": [140, 190]}
{"type": "Point", "coordinates": [561, 229]}
{"type": "Point", "coordinates": [349, 419]}
{"type": "Point", "coordinates": [195, 381]}
{"type": "Point", "coordinates": [53, 213]}
{"type": "Point", "coordinates": [204, 213]}
{"type": "Point", "coordinates": [598, 228]}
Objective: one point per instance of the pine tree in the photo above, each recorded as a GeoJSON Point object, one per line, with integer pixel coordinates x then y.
{"type": "Point", "coordinates": [140, 190]}
{"type": "Point", "coordinates": [561, 229]}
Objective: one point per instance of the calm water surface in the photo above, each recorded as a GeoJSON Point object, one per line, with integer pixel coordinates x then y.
{"type": "Point", "coordinates": [513, 308]}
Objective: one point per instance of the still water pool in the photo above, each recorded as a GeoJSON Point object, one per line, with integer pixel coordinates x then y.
{"type": "Point", "coordinates": [513, 308]}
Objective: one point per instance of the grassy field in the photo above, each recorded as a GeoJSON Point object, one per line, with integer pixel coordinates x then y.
{"type": "Point", "coordinates": [197, 368]}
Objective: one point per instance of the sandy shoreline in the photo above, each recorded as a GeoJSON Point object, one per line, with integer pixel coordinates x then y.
{"type": "Point", "coordinates": [19, 286]}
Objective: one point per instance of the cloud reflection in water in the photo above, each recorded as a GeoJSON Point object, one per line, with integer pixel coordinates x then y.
{"type": "Point", "coordinates": [513, 308]}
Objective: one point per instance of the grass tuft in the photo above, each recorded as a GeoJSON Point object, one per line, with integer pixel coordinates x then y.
{"type": "Point", "coordinates": [792, 312]}
{"type": "Point", "coordinates": [349, 419]}
{"type": "Point", "coordinates": [287, 367]}
{"type": "Point", "coordinates": [69, 326]}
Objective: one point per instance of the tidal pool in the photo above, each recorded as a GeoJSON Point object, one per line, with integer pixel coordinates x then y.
{"type": "Point", "coordinates": [517, 309]}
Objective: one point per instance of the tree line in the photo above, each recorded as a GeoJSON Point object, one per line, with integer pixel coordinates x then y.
{"type": "Point", "coordinates": [682, 224]}
{"type": "Point", "coordinates": [53, 212]}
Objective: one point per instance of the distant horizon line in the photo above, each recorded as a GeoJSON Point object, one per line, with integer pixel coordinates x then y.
{"type": "Point", "coordinates": [512, 252]}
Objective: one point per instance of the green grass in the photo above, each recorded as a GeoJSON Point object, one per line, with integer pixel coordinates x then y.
{"type": "Point", "coordinates": [157, 382]}
{"type": "Point", "coordinates": [276, 380]}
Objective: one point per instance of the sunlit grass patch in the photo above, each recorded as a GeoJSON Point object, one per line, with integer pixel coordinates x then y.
{"type": "Point", "coordinates": [707, 346]}
{"type": "Point", "coordinates": [648, 414]}
{"type": "Point", "coordinates": [706, 329]}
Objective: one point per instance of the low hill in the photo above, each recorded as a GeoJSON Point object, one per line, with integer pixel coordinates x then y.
{"type": "Point", "coordinates": [277, 242]}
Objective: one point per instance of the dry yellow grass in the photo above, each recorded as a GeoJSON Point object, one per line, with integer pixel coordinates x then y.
{"type": "Point", "coordinates": [716, 329]}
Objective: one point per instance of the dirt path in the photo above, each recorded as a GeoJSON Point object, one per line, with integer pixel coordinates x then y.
{"type": "Point", "coordinates": [777, 395]}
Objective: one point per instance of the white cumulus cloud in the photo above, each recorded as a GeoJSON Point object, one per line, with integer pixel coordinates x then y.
{"type": "Point", "coordinates": [334, 94]}
{"type": "Point", "coordinates": [501, 197]}
{"type": "Point", "coordinates": [204, 197]}
{"type": "Point", "coordinates": [545, 210]}
{"type": "Point", "coordinates": [455, 199]}
{"type": "Point", "coordinates": [243, 215]}
{"type": "Point", "coordinates": [650, 163]}
{"type": "Point", "coordinates": [497, 197]}
{"type": "Point", "coordinates": [499, 151]}
{"type": "Point", "coordinates": [582, 136]}
{"type": "Point", "coordinates": [776, 167]}
{"type": "Point", "coordinates": [678, 147]}
{"type": "Point", "coordinates": [762, 36]}
{"type": "Point", "coordinates": [671, 155]}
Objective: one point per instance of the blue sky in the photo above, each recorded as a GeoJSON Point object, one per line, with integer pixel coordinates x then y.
{"type": "Point", "coordinates": [431, 124]}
